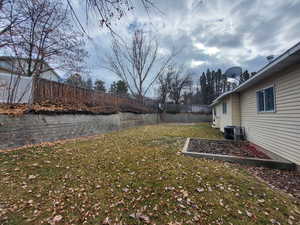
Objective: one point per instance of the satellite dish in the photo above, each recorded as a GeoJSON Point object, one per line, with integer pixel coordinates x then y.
{"type": "Point", "coordinates": [270, 58]}
{"type": "Point", "coordinates": [234, 72]}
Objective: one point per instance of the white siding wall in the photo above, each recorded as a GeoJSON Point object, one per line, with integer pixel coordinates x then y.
{"type": "Point", "coordinates": [236, 113]}
{"type": "Point", "coordinates": [216, 115]}
{"type": "Point", "coordinates": [232, 117]}
{"type": "Point", "coordinates": [49, 75]}
{"type": "Point", "coordinates": [21, 85]}
{"type": "Point", "coordinates": [225, 119]}
{"type": "Point", "coordinates": [278, 132]}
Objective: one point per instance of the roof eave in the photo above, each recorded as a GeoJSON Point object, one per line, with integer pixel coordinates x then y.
{"type": "Point", "coordinates": [290, 57]}
{"type": "Point", "coordinates": [281, 62]}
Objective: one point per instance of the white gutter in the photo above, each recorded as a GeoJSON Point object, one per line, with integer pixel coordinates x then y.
{"type": "Point", "coordinates": [216, 101]}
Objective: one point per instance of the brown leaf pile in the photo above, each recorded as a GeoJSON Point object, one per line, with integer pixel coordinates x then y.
{"type": "Point", "coordinates": [49, 108]}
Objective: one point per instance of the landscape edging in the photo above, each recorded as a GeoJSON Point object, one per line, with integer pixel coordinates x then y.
{"type": "Point", "coordinates": [270, 163]}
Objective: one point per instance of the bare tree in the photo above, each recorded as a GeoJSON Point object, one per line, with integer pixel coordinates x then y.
{"type": "Point", "coordinates": [164, 82]}
{"type": "Point", "coordinates": [8, 19]}
{"type": "Point", "coordinates": [45, 34]}
{"type": "Point", "coordinates": [138, 64]}
{"type": "Point", "coordinates": [181, 79]}
{"type": "Point", "coordinates": [38, 32]}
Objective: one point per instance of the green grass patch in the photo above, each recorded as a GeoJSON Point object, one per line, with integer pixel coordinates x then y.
{"type": "Point", "coordinates": [135, 176]}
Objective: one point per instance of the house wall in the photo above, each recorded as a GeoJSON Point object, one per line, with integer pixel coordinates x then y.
{"type": "Point", "coordinates": [216, 115]}
{"type": "Point", "coordinates": [19, 87]}
{"type": "Point", "coordinates": [232, 117]}
{"type": "Point", "coordinates": [49, 75]}
{"type": "Point", "coordinates": [6, 68]}
{"type": "Point", "coordinates": [278, 131]}
{"type": "Point", "coordinates": [236, 112]}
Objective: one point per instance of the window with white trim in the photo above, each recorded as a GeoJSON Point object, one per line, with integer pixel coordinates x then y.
{"type": "Point", "coordinates": [265, 99]}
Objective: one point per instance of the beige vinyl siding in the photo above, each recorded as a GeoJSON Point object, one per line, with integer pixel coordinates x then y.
{"type": "Point", "coordinates": [216, 117]}
{"type": "Point", "coordinates": [232, 117]}
{"type": "Point", "coordinates": [277, 131]}
{"type": "Point", "coordinates": [236, 114]}
{"type": "Point", "coordinates": [225, 119]}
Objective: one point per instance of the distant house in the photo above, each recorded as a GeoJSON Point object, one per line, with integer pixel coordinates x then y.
{"type": "Point", "coordinates": [267, 106]}
{"type": "Point", "coordinates": [15, 84]}
{"type": "Point", "coordinates": [10, 66]}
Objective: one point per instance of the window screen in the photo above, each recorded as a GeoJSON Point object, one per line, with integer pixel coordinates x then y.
{"type": "Point", "coordinates": [269, 98]}
{"type": "Point", "coordinates": [265, 100]}
{"type": "Point", "coordinates": [260, 101]}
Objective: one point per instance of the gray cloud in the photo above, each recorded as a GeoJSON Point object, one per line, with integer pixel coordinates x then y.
{"type": "Point", "coordinates": [213, 33]}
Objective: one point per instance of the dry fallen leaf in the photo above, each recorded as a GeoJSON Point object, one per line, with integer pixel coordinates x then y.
{"type": "Point", "coordinates": [200, 190]}
{"type": "Point", "coordinates": [249, 213]}
{"type": "Point", "coordinates": [31, 177]}
{"type": "Point", "coordinates": [106, 221]}
{"type": "Point", "coordinates": [56, 219]}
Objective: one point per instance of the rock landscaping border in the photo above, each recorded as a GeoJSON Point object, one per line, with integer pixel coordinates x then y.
{"type": "Point", "coordinates": [270, 163]}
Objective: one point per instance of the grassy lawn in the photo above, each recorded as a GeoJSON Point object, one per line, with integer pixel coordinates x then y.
{"type": "Point", "coordinates": [135, 176]}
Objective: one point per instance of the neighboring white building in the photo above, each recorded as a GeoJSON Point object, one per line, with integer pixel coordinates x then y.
{"type": "Point", "coordinates": [267, 106]}
{"type": "Point", "coordinates": [15, 84]}
{"type": "Point", "coordinates": [9, 66]}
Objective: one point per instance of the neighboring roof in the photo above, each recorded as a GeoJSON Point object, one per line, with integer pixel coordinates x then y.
{"type": "Point", "coordinates": [10, 58]}
{"type": "Point", "coordinates": [288, 58]}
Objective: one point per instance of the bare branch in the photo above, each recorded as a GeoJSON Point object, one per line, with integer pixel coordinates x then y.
{"type": "Point", "coordinates": [138, 63]}
{"type": "Point", "coordinates": [44, 33]}
{"type": "Point", "coordinates": [181, 79]}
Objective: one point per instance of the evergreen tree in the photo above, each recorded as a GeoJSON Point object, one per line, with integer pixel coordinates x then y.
{"type": "Point", "coordinates": [214, 83]}
{"type": "Point", "coordinates": [203, 89]}
{"type": "Point", "coordinates": [100, 85]}
{"type": "Point", "coordinates": [119, 88]}
{"type": "Point", "coordinates": [245, 76]}
{"type": "Point", "coordinates": [76, 80]}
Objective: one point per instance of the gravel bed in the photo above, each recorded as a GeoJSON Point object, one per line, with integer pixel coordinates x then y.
{"type": "Point", "coordinates": [225, 148]}
{"type": "Point", "coordinates": [289, 181]}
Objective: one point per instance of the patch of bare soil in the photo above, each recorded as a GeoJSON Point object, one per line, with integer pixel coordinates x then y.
{"type": "Point", "coordinates": [241, 149]}
{"type": "Point", "coordinates": [289, 181]}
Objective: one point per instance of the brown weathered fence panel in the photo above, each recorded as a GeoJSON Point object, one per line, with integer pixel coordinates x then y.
{"type": "Point", "coordinates": [52, 92]}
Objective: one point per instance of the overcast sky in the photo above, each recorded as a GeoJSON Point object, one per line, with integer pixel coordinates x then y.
{"type": "Point", "coordinates": [213, 33]}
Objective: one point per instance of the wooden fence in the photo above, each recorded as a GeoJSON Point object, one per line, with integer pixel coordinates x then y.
{"type": "Point", "coordinates": [52, 92]}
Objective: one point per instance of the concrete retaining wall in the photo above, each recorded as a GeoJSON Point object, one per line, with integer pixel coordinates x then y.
{"type": "Point", "coordinates": [33, 129]}
{"type": "Point", "coordinates": [185, 118]}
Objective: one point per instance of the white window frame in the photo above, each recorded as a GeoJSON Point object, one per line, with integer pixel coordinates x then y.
{"type": "Point", "coordinates": [257, 100]}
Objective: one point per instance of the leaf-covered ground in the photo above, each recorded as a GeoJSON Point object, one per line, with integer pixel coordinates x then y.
{"type": "Point", "coordinates": [135, 176]}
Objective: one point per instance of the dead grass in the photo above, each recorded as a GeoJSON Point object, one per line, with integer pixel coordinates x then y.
{"type": "Point", "coordinates": [135, 176]}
